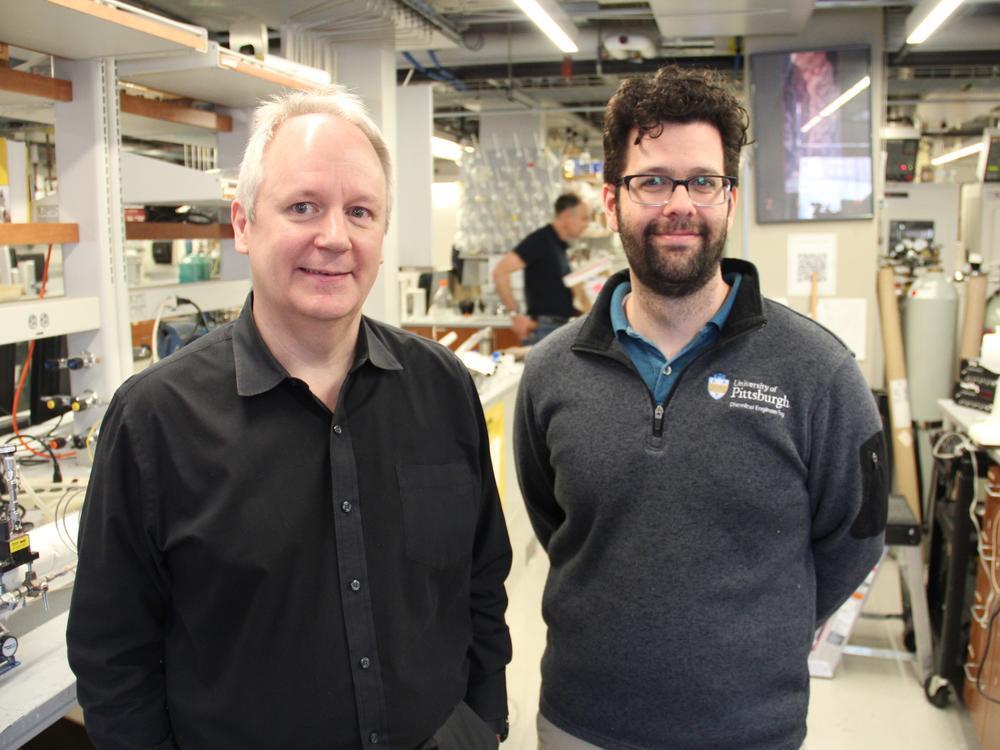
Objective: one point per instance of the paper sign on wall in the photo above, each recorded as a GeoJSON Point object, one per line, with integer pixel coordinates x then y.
{"type": "Point", "coordinates": [848, 319]}
{"type": "Point", "coordinates": [809, 254]}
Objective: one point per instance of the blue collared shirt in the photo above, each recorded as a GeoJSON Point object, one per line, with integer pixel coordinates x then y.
{"type": "Point", "coordinates": [659, 373]}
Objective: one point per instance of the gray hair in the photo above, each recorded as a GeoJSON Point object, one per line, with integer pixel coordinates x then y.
{"type": "Point", "coordinates": [334, 100]}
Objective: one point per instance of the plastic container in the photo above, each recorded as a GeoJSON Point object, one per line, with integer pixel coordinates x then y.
{"type": "Point", "coordinates": [441, 302]}
{"type": "Point", "coordinates": [188, 269]}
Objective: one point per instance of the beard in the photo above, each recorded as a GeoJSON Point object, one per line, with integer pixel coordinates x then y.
{"type": "Point", "coordinates": [657, 269]}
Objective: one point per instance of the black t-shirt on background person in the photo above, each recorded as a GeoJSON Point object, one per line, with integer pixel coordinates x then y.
{"type": "Point", "coordinates": [544, 256]}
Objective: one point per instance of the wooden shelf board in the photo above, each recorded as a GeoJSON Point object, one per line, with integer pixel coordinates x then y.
{"type": "Point", "coordinates": [83, 29]}
{"type": "Point", "coordinates": [38, 234]}
{"type": "Point", "coordinates": [173, 113]}
{"type": "Point", "coordinates": [150, 230]}
{"type": "Point", "coordinates": [35, 86]}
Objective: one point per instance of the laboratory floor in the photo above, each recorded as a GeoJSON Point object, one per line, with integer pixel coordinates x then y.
{"type": "Point", "coordinates": [869, 704]}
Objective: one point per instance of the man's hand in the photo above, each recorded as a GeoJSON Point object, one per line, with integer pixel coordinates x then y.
{"type": "Point", "coordinates": [522, 325]}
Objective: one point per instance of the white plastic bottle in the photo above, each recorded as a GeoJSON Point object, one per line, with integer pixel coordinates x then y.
{"type": "Point", "coordinates": [441, 302]}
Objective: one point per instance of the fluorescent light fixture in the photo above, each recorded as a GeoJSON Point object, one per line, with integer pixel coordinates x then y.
{"type": "Point", "coordinates": [935, 18]}
{"type": "Point", "coordinates": [544, 21]}
{"type": "Point", "coordinates": [442, 148]}
{"type": "Point", "coordinates": [961, 153]}
{"type": "Point", "coordinates": [811, 124]}
{"type": "Point", "coordinates": [844, 98]}
{"type": "Point", "coordinates": [837, 103]}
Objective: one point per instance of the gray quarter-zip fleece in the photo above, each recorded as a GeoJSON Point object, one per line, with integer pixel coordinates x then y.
{"type": "Point", "coordinates": [693, 550]}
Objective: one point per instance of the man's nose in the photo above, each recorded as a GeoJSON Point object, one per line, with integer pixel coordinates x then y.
{"type": "Point", "coordinates": [333, 232]}
{"type": "Point", "coordinates": [679, 203]}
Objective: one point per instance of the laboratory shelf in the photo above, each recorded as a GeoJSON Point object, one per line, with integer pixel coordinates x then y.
{"type": "Point", "coordinates": [208, 295]}
{"type": "Point", "coordinates": [156, 230]}
{"type": "Point", "coordinates": [20, 87]}
{"type": "Point", "coordinates": [147, 181]}
{"type": "Point", "coordinates": [37, 319]}
{"type": "Point", "coordinates": [220, 76]}
{"type": "Point", "coordinates": [38, 234]}
{"type": "Point", "coordinates": [84, 29]}
{"type": "Point", "coordinates": [160, 120]}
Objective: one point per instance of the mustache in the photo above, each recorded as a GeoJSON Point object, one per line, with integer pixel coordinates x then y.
{"type": "Point", "coordinates": [666, 226]}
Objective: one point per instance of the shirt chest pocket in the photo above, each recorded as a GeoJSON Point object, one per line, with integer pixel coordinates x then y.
{"type": "Point", "coordinates": [439, 512]}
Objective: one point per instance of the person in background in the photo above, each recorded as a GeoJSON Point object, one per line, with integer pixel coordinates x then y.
{"type": "Point", "coordinates": [542, 255]}
{"type": "Point", "coordinates": [292, 536]}
{"type": "Point", "coordinates": [704, 467]}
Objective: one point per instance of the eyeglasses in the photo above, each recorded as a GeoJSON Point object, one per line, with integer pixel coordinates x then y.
{"type": "Point", "coordinates": [657, 189]}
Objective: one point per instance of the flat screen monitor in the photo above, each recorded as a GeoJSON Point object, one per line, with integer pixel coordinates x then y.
{"type": "Point", "coordinates": [813, 128]}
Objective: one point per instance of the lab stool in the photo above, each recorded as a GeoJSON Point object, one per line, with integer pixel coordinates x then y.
{"type": "Point", "coordinates": [902, 537]}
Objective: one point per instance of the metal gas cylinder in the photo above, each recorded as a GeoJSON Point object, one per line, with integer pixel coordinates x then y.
{"type": "Point", "coordinates": [930, 326]}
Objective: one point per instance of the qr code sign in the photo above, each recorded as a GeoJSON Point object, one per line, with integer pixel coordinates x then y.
{"type": "Point", "coordinates": [812, 263]}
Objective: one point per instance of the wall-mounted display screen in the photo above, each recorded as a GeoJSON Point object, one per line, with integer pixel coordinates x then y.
{"type": "Point", "coordinates": [813, 128]}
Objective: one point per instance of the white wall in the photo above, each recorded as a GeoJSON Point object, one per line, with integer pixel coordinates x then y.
{"type": "Point", "coordinates": [445, 198]}
{"type": "Point", "coordinates": [415, 173]}
{"type": "Point", "coordinates": [857, 241]}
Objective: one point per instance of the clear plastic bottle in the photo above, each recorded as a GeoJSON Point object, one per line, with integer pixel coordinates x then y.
{"type": "Point", "coordinates": [441, 302]}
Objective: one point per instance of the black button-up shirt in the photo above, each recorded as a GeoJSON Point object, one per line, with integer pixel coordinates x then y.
{"type": "Point", "coordinates": [256, 572]}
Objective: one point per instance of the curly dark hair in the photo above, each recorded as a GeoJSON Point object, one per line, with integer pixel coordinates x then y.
{"type": "Point", "coordinates": [676, 95]}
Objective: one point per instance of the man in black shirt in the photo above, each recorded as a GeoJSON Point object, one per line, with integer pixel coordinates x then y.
{"type": "Point", "coordinates": [542, 255]}
{"type": "Point", "coordinates": [292, 536]}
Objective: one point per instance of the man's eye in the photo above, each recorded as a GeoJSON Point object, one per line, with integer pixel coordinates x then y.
{"type": "Point", "coordinates": [360, 213]}
{"type": "Point", "coordinates": [301, 208]}
{"type": "Point", "coordinates": [653, 182]}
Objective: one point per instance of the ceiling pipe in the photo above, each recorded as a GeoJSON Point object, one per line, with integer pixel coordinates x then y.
{"type": "Point", "coordinates": [424, 9]}
{"type": "Point", "coordinates": [462, 114]}
{"type": "Point", "coordinates": [523, 47]}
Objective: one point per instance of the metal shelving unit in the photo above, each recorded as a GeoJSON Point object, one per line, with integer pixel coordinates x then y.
{"type": "Point", "coordinates": [219, 75]}
{"type": "Point", "coordinates": [90, 29]}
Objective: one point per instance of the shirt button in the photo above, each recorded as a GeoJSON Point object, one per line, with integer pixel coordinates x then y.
{"type": "Point", "coordinates": [346, 506]}
{"type": "Point", "coordinates": [373, 738]}
{"type": "Point", "coordinates": [337, 429]}
{"type": "Point", "coordinates": [365, 662]}
{"type": "Point", "coordinates": [355, 585]}
{"type": "Point", "coordinates": [667, 370]}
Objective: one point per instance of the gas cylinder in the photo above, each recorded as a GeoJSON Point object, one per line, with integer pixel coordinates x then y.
{"type": "Point", "coordinates": [930, 323]}
{"type": "Point", "coordinates": [930, 329]}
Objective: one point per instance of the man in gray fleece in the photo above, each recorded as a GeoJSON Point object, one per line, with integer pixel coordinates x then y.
{"type": "Point", "coordinates": [704, 467]}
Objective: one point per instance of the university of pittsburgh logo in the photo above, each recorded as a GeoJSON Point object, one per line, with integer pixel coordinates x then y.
{"type": "Point", "coordinates": [718, 385]}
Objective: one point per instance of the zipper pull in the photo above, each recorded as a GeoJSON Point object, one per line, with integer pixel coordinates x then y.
{"type": "Point", "coordinates": [658, 420]}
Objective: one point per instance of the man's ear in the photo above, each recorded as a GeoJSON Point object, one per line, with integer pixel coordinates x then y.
{"type": "Point", "coordinates": [609, 199]}
{"type": "Point", "coordinates": [732, 210]}
{"type": "Point", "coordinates": [241, 223]}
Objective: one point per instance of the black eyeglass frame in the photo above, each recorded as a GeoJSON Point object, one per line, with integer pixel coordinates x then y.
{"type": "Point", "coordinates": [727, 191]}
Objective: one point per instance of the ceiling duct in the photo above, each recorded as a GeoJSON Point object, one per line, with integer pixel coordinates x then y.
{"type": "Point", "coordinates": [730, 17]}
{"type": "Point", "coordinates": [383, 22]}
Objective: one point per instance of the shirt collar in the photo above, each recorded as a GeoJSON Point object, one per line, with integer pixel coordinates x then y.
{"type": "Point", "coordinates": [258, 371]}
{"type": "Point", "coordinates": [619, 320]}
